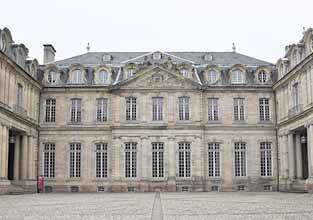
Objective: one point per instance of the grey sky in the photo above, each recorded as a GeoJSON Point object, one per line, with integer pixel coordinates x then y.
{"type": "Point", "coordinates": [259, 28]}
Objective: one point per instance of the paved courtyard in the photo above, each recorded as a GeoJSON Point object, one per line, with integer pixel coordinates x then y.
{"type": "Point", "coordinates": [155, 206]}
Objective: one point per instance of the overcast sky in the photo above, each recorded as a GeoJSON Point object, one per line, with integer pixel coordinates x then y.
{"type": "Point", "coordinates": [259, 28]}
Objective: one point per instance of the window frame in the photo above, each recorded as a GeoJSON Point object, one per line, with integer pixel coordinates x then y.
{"type": "Point", "coordinates": [237, 78]}
{"type": "Point", "coordinates": [130, 160]}
{"type": "Point", "coordinates": [266, 159]}
{"type": "Point", "coordinates": [49, 152]}
{"type": "Point", "coordinates": [75, 152]}
{"type": "Point", "coordinates": [157, 108]}
{"type": "Point", "coordinates": [184, 108]}
{"type": "Point", "coordinates": [76, 110]}
{"type": "Point", "coordinates": [184, 161]}
{"type": "Point", "coordinates": [157, 160]}
{"type": "Point", "coordinates": [264, 109]}
{"type": "Point", "coordinates": [102, 109]}
{"type": "Point", "coordinates": [214, 152]}
{"type": "Point", "coordinates": [240, 153]}
{"type": "Point", "coordinates": [50, 111]}
{"type": "Point", "coordinates": [239, 109]}
{"type": "Point", "coordinates": [101, 152]}
{"type": "Point", "coordinates": [131, 108]}
{"type": "Point", "coordinates": [213, 109]}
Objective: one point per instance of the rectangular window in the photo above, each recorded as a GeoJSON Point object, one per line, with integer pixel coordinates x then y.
{"type": "Point", "coordinates": [75, 160]}
{"type": "Point", "coordinates": [239, 114]}
{"type": "Point", "coordinates": [264, 105]}
{"type": "Point", "coordinates": [19, 99]}
{"type": "Point", "coordinates": [184, 159]}
{"type": "Point", "coordinates": [212, 109]}
{"type": "Point", "coordinates": [295, 93]}
{"type": "Point", "coordinates": [157, 160]}
{"type": "Point", "coordinates": [240, 159]}
{"type": "Point", "coordinates": [266, 159]}
{"type": "Point", "coordinates": [76, 110]}
{"type": "Point", "coordinates": [101, 155]}
{"type": "Point", "coordinates": [130, 160]}
{"type": "Point", "coordinates": [157, 108]}
{"type": "Point", "coordinates": [214, 159]}
{"type": "Point", "coordinates": [183, 108]}
{"type": "Point", "coordinates": [131, 108]}
{"type": "Point", "coordinates": [50, 110]}
{"type": "Point", "coordinates": [102, 110]}
{"type": "Point", "coordinates": [49, 160]}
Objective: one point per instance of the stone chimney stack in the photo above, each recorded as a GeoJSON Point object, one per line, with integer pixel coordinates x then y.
{"type": "Point", "coordinates": [48, 53]}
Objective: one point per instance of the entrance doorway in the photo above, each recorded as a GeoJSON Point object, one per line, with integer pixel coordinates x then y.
{"type": "Point", "coordinates": [11, 161]}
{"type": "Point", "coordinates": [304, 154]}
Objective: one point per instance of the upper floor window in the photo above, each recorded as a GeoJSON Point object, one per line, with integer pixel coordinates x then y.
{"type": "Point", "coordinates": [262, 77]}
{"type": "Point", "coordinates": [102, 109]}
{"type": "Point", "coordinates": [266, 159]}
{"type": "Point", "coordinates": [130, 72]}
{"type": "Point", "coordinates": [295, 94]}
{"type": "Point", "coordinates": [183, 108]}
{"type": "Point", "coordinates": [131, 108]}
{"type": "Point", "coordinates": [2, 42]}
{"type": "Point", "coordinates": [239, 114]}
{"type": "Point", "coordinates": [101, 156]}
{"type": "Point", "coordinates": [50, 110]}
{"type": "Point", "coordinates": [237, 77]}
{"type": "Point", "coordinates": [212, 76]}
{"type": "Point", "coordinates": [77, 76]}
{"type": "Point", "coordinates": [19, 99]}
{"type": "Point", "coordinates": [213, 109]}
{"type": "Point", "coordinates": [76, 110]}
{"type": "Point", "coordinates": [157, 108]}
{"type": "Point", "coordinates": [264, 105]}
{"type": "Point", "coordinates": [184, 159]}
{"type": "Point", "coordinates": [184, 72]}
{"type": "Point", "coordinates": [311, 43]}
{"type": "Point", "coordinates": [103, 76]}
{"type": "Point", "coordinates": [51, 77]}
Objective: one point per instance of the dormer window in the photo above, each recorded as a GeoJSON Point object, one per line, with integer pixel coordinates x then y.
{"type": "Point", "coordinates": [311, 43]}
{"type": "Point", "coordinates": [77, 77]}
{"type": "Point", "coordinates": [130, 72]}
{"type": "Point", "coordinates": [157, 56]}
{"type": "Point", "coordinates": [184, 72]}
{"type": "Point", "coordinates": [212, 76]}
{"type": "Point", "coordinates": [107, 57]}
{"type": "Point", "coordinates": [295, 57]}
{"type": "Point", "coordinates": [237, 77]}
{"type": "Point", "coordinates": [2, 43]}
{"type": "Point", "coordinates": [262, 77]}
{"type": "Point", "coordinates": [51, 77]}
{"type": "Point", "coordinates": [208, 57]}
{"type": "Point", "coordinates": [103, 76]}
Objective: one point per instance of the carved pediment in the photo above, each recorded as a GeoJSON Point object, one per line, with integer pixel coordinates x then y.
{"type": "Point", "coordinates": [158, 78]}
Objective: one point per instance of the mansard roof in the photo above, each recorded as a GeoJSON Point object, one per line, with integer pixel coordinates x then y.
{"type": "Point", "coordinates": [196, 58]}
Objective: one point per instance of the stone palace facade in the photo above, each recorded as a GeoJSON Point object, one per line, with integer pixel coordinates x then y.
{"type": "Point", "coordinates": [156, 121]}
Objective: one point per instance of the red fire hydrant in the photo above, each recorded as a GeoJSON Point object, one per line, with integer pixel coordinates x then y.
{"type": "Point", "coordinates": [40, 181]}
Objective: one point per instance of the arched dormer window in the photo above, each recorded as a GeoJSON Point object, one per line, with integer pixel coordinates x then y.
{"type": "Point", "coordinates": [51, 77]}
{"type": "Point", "coordinates": [237, 77]}
{"type": "Point", "coordinates": [212, 76]}
{"type": "Point", "coordinates": [3, 42]}
{"type": "Point", "coordinates": [103, 76]}
{"type": "Point", "coordinates": [77, 76]}
{"type": "Point", "coordinates": [130, 72]}
{"type": "Point", "coordinates": [262, 77]}
{"type": "Point", "coordinates": [184, 72]}
{"type": "Point", "coordinates": [311, 43]}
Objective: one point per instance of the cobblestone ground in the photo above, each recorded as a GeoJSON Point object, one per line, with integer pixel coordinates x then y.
{"type": "Point", "coordinates": [164, 206]}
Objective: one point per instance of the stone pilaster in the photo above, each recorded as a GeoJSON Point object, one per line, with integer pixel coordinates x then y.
{"type": "Point", "coordinates": [298, 157]}
{"type": "Point", "coordinates": [24, 157]}
{"type": "Point", "coordinates": [4, 152]}
{"type": "Point", "coordinates": [30, 158]}
{"type": "Point", "coordinates": [291, 156]}
{"type": "Point", "coordinates": [17, 148]}
{"type": "Point", "coordinates": [309, 182]}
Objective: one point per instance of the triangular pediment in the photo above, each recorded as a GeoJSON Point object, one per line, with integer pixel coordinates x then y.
{"type": "Point", "coordinates": [157, 78]}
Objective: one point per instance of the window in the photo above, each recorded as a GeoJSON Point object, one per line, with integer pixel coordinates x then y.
{"type": "Point", "coordinates": [214, 159]}
{"type": "Point", "coordinates": [76, 110]}
{"type": "Point", "coordinates": [2, 43]}
{"type": "Point", "coordinates": [184, 160]}
{"type": "Point", "coordinates": [77, 77]}
{"type": "Point", "coordinates": [131, 108]}
{"type": "Point", "coordinates": [49, 160]}
{"type": "Point", "coordinates": [102, 109]}
{"type": "Point", "coordinates": [157, 108]}
{"type": "Point", "coordinates": [130, 72]}
{"type": "Point", "coordinates": [130, 160]}
{"type": "Point", "coordinates": [213, 109]}
{"type": "Point", "coordinates": [239, 114]}
{"type": "Point", "coordinates": [157, 160]}
{"type": "Point", "coordinates": [75, 160]}
{"type": "Point", "coordinates": [50, 110]}
{"type": "Point", "coordinates": [212, 76]}
{"type": "Point", "coordinates": [264, 109]}
{"type": "Point", "coordinates": [311, 44]}
{"type": "Point", "coordinates": [240, 159]}
{"type": "Point", "coordinates": [19, 99]}
{"type": "Point", "coordinates": [184, 72]}
{"type": "Point", "coordinates": [183, 108]}
{"type": "Point", "coordinates": [51, 77]}
{"type": "Point", "coordinates": [101, 155]}
{"type": "Point", "coordinates": [262, 77]}
{"type": "Point", "coordinates": [266, 159]}
{"type": "Point", "coordinates": [103, 76]}
{"type": "Point", "coordinates": [295, 94]}
{"type": "Point", "coordinates": [237, 77]}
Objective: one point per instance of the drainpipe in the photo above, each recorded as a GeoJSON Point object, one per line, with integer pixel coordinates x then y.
{"type": "Point", "coordinates": [277, 146]}
{"type": "Point", "coordinates": [38, 142]}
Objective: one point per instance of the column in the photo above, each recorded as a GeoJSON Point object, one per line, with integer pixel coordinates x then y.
{"type": "Point", "coordinates": [115, 159]}
{"type": "Point", "coordinates": [4, 152]}
{"type": "Point", "coordinates": [24, 150]}
{"type": "Point", "coordinates": [30, 157]}
{"type": "Point", "coordinates": [310, 150]}
{"type": "Point", "coordinates": [298, 157]}
{"type": "Point", "coordinates": [281, 156]}
{"type": "Point", "coordinates": [17, 157]}
{"type": "Point", "coordinates": [144, 157]}
{"type": "Point", "coordinates": [171, 158]}
{"type": "Point", "coordinates": [1, 149]}
{"type": "Point", "coordinates": [291, 156]}
{"type": "Point", "coordinates": [284, 157]}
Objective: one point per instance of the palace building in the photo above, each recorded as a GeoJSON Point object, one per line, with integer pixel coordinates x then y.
{"type": "Point", "coordinates": [156, 121]}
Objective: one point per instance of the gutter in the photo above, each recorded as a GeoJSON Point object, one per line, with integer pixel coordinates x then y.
{"type": "Point", "coordinates": [277, 144]}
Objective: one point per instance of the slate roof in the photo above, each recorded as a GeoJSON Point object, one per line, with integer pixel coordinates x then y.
{"type": "Point", "coordinates": [197, 58]}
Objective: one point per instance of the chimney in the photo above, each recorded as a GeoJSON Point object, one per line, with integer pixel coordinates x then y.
{"type": "Point", "coordinates": [48, 53]}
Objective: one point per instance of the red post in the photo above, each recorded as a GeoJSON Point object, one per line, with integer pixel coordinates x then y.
{"type": "Point", "coordinates": [40, 181]}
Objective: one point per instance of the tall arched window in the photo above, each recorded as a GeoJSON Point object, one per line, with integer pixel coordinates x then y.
{"type": "Point", "coordinates": [103, 76]}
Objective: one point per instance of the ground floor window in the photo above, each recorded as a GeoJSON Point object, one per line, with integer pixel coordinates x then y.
{"type": "Point", "coordinates": [266, 159]}
{"type": "Point", "coordinates": [240, 159]}
{"type": "Point", "coordinates": [131, 160]}
{"type": "Point", "coordinates": [157, 160]}
{"type": "Point", "coordinates": [101, 155]}
{"type": "Point", "coordinates": [75, 160]}
{"type": "Point", "coordinates": [214, 159]}
{"type": "Point", "coordinates": [49, 160]}
{"type": "Point", "coordinates": [184, 159]}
